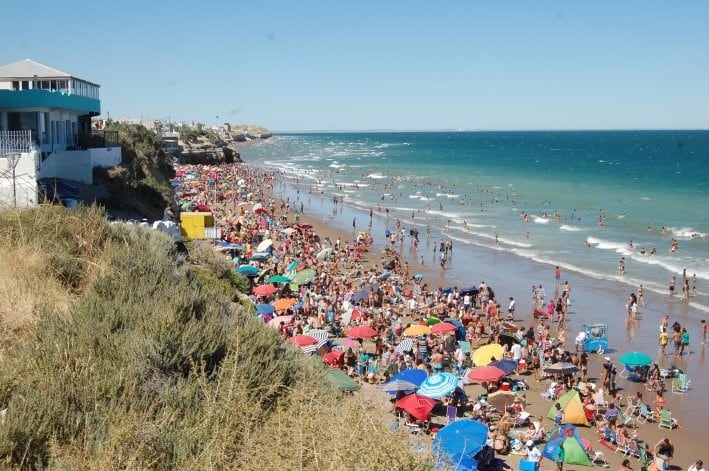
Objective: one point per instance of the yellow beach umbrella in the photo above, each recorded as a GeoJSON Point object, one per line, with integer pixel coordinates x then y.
{"type": "Point", "coordinates": [416, 330]}
{"type": "Point", "coordinates": [487, 353]}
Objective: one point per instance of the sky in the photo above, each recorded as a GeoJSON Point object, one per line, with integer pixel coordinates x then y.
{"type": "Point", "coordinates": [380, 65]}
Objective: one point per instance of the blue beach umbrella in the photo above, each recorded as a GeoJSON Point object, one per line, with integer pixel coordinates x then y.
{"type": "Point", "coordinates": [265, 309]}
{"type": "Point", "coordinates": [438, 385]}
{"type": "Point", "coordinates": [508, 366]}
{"type": "Point", "coordinates": [457, 443]}
{"type": "Point", "coordinates": [405, 380]}
{"type": "Point", "coordinates": [635, 359]}
{"type": "Point", "coordinates": [248, 270]}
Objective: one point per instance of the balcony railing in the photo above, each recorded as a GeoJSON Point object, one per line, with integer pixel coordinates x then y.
{"type": "Point", "coordinates": [94, 139]}
{"type": "Point", "coordinates": [16, 141]}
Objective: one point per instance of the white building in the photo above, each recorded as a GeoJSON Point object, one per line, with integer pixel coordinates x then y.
{"type": "Point", "coordinates": [45, 131]}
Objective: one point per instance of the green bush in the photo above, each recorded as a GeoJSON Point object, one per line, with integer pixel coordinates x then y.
{"type": "Point", "coordinates": [156, 367]}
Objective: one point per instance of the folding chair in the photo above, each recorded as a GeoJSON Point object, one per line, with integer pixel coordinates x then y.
{"type": "Point", "coordinates": [599, 459]}
{"type": "Point", "coordinates": [666, 420]}
{"type": "Point", "coordinates": [680, 384]}
{"type": "Point", "coordinates": [451, 413]}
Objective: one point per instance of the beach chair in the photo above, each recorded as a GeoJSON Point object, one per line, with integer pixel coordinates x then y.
{"type": "Point", "coordinates": [631, 448]}
{"type": "Point", "coordinates": [620, 443]}
{"type": "Point", "coordinates": [644, 459]}
{"type": "Point", "coordinates": [599, 459]}
{"type": "Point", "coordinates": [451, 413]}
{"type": "Point", "coordinates": [644, 413]}
{"type": "Point", "coordinates": [680, 384]}
{"type": "Point", "coordinates": [666, 420]}
{"type": "Point", "coordinates": [600, 400]}
{"type": "Point", "coordinates": [627, 420]}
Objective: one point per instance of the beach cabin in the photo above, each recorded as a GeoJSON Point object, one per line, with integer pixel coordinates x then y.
{"type": "Point", "coordinates": [45, 131]}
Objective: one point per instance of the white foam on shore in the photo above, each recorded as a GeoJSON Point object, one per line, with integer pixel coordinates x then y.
{"type": "Point", "coordinates": [540, 220]}
{"type": "Point", "coordinates": [685, 233]}
{"type": "Point", "coordinates": [618, 247]}
{"type": "Point", "coordinates": [565, 227]}
{"type": "Point", "coordinates": [376, 176]}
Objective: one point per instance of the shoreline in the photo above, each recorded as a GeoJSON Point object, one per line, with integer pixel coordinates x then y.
{"type": "Point", "coordinates": [513, 276]}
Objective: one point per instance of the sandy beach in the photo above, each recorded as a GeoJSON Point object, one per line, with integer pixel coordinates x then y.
{"type": "Point", "coordinates": [592, 301]}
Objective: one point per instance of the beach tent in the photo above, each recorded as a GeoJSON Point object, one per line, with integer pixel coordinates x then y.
{"type": "Point", "coordinates": [573, 409]}
{"type": "Point", "coordinates": [341, 381]}
{"type": "Point", "coordinates": [568, 438]}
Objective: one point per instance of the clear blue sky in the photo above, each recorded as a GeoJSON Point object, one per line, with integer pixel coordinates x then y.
{"type": "Point", "coordinates": [300, 65]}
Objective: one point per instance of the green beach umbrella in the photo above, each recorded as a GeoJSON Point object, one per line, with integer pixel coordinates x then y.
{"type": "Point", "coordinates": [277, 279]}
{"type": "Point", "coordinates": [635, 359]}
{"type": "Point", "coordinates": [433, 320]}
{"type": "Point", "coordinates": [303, 277]}
{"type": "Point", "coordinates": [341, 381]}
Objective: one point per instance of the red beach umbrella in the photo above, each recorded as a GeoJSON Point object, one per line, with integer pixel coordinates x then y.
{"type": "Point", "coordinates": [443, 328]}
{"type": "Point", "coordinates": [486, 374]}
{"type": "Point", "coordinates": [362, 331]}
{"type": "Point", "coordinates": [264, 290]}
{"type": "Point", "coordinates": [419, 407]}
{"type": "Point", "coordinates": [303, 340]}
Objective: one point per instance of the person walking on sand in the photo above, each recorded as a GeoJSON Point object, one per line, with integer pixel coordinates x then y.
{"type": "Point", "coordinates": [704, 331]}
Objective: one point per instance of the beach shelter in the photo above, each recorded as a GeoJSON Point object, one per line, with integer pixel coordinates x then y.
{"type": "Point", "coordinates": [303, 277]}
{"type": "Point", "coordinates": [568, 438]}
{"type": "Point", "coordinates": [633, 359]}
{"type": "Point", "coordinates": [443, 328]}
{"type": "Point", "coordinates": [572, 407]}
{"type": "Point", "coordinates": [487, 354]}
{"type": "Point", "coordinates": [405, 380]}
{"type": "Point", "coordinates": [460, 329]}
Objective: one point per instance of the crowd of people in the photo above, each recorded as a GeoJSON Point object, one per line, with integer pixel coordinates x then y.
{"type": "Point", "coordinates": [353, 287]}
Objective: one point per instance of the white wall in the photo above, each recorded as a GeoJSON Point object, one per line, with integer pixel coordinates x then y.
{"type": "Point", "coordinates": [25, 181]}
{"type": "Point", "coordinates": [69, 164]}
{"type": "Point", "coordinates": [105, 157]}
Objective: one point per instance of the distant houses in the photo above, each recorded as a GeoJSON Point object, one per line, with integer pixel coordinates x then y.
{"type": "Point", "coordinates": [46, 133]}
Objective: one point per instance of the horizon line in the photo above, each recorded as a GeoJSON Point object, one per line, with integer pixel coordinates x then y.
{"type": "Point", "coordinates": [462, 130]}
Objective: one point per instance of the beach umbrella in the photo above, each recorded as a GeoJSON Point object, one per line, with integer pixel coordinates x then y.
{"type": "Point", "coordinates": [501, 399]}
{"type": "Point", "coordinates": [305, 226]}
{"type": "Point", "coordinates": [277, 279]}
{"type": "Point", "coordinates": [438, 385]}
{"type": "Point", "coordinates": [486, 374]}
{"type": "Point", "coordinates": [304, 277]}
{"type": "Point", "coordinates": [284, 303]}
{"type": "Point", "coordinates": [264, 245]}
{"type": "Point", "coordinates": [416, 330]}
{"type": "Point", "coordinates": [303, 340]}
{"type": "Point", "coordinates": [325, 253]}
{"type": "Point", "coordinates": [635, 359]}
{"type": "Point", "coordinates": [397, 385]}
{"type": "Point", "coordinates": [293, 265]}
{"type": "Point", "coordinates": [363, 293]}
{"type": "Point", "coordinates": [264, 290]}
{"type": "Point", "coordinates": [276, 321]}
{"type": "Point", "coordinates": [561, 368]}
{"type": "Point", "coordinates": [258, 208]}
{"type": "Point", "coordinates": [288, 230]}
{"type": "Point", "coordinates": [319, 334]}
{"type": "Point", "coordinates": [508, 366]}
{"type": "Point", "coordinates": [223, 245]}
{"type": "Point", "coordinates": [341, 381]}
{"type": "Point", "coordinates": [487, 353]}
{"type": "Point", "coordinates": [248, 270]}
{"type": "Point", "coordinates": [432, 321]}
{"type": "Point", "coordinates": [460, 329]}
{"type": "Point", "coordinates": [417, 406]}
{"type": "Point", "coordinates": [260, 256]}
{"type": "Point", "coordinates": [362, 331]}
{"type": "Point", "coordinates": [443, 328]}
{"type": "Point", "coordinates": [406, 345]}
{"type": "Point", "coordinates": [411, 375]}
{"type": "Point", "coordinates": [457, 443]}
{"type": "Point", "coordinates": [265, 309]}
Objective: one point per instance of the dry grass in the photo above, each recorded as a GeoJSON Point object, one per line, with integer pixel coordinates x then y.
{"type": "Point", "coordinates": [123, 354]}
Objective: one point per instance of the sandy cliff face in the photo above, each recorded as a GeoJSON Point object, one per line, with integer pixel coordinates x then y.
{"type": "Point", "coordinates": [220, 147]}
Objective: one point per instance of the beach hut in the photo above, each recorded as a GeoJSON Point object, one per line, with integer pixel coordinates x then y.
{"type": "Point", "coordinates": [567, 437]}
{"type": "Point", "coordinates": [572, 407]}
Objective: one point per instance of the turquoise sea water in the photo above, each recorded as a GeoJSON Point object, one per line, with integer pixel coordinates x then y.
{"type": "Point", "coordinates": [475, 186]}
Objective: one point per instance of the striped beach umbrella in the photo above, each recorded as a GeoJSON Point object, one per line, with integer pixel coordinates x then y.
{"type": "Point", "coordinates": [406, 345]}
{"type": "Point", "coordinates": [438, 385]}
{"type": "Point", "coordinates": [319, 334]}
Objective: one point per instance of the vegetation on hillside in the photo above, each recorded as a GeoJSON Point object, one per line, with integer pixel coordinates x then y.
{"type": "Point", "coordinates": [140, 185]}
{"type": "Point", "coordinates": [123, 353]}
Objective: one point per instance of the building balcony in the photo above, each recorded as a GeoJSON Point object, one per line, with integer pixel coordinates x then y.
{"type": "Point", "coordinates": [35, 98]}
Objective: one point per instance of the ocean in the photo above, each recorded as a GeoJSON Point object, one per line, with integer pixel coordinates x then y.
{"type": "Point", "coordinates": [586, 195]}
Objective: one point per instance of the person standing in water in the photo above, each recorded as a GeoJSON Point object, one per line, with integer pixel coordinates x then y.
{"type": "Point", "coordinates": [672, 286]}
